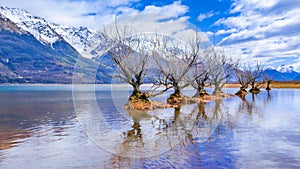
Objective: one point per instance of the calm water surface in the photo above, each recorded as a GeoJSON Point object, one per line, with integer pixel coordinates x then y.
{"type": "Point", "coordinates": [45, 127]}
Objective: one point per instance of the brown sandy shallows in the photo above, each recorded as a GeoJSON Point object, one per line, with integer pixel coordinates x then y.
{"type": "Point", "coordinates": [154, 105]}
{"type": "Point", "coordinates": [275, 84]}
{"type": "Point", "coordinates": [294, 84]}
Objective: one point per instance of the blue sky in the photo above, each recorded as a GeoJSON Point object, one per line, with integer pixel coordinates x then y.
{"type": "Point", "coordinates": [252, 30]}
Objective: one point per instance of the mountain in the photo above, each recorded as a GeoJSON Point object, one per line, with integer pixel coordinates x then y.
{"type": "Point", "coordinates": [32, 51]}
{"type": "Point", "coordinates": [286, 69]}
{"type": "Point", "coordinates": [297, 78]}
{"type": "Point", "coordinates": [36, 26]}
{"type": "Point", "coordinates": [282, 73]}
{"type": "Point", "coordinates": [83, 39]}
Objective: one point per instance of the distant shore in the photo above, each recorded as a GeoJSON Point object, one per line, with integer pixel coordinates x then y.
{"type": "Point", "coordinates": [294, 84]}
{"type": "Point", "coordinates": [58, 84]}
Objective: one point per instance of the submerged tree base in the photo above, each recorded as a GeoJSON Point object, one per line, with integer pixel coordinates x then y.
{"type": "Point", "coordinates": [148, 105]}
{"type": "Point", "coordinates": [254, 90]}
{"type": "Point", "coordinates": [177, 99]}
{"type": "Point", "coordinates": [220, 94]}
{"type": "Point", "coordinates": [139, 101]}
{"type": "Point", "coordinates": [200, 93]}
{"type": "Point", "coordinates": [242, 92]}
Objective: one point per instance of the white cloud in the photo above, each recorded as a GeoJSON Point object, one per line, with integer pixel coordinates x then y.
{"type": "Point", "coordinates": [114, 3]}
{"type": "Point", "coordinates": [169, 19]}
{"type": "Point", "coordinates": [249, 5]}
{"type": "Point", "coordinates": [262, 29]}
{"type": "Point", "coordinates": [161, 24]}
{"type": "Point", "coordinates": [175, 9]}
{"type": "Point", "coordinates": [296, 65]}
{"type": "Point", "coordinates": [76, 13]}
{"type": "Point", "coordinates": [202, 16]}
{"type": "Point", "coordinates": [222, 31]}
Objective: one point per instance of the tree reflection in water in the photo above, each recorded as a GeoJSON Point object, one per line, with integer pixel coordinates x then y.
{"type": "Point", "coordinates": [201, 130]}
{"type": "Point", "coordinates": [191, 125]}
{"type": "Point", "coordinates": [11, 138]}
{"type": "Point", "coordinates": [269, 96]}
{"type": "Point", "coordinates": [135, 134]}
{"type": "Point", "coordinates": [245, 105]}
{"type": "Point", "coordinates": [252, 107]}
{"type": "Point", "coordinates": [138, 140]}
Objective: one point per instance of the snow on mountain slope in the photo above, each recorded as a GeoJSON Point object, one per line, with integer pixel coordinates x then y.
{"type": "Point", "coordinates": [37, 26]}
{"type": "Point", "coordinates": [285, 69]}
{"type": "Point", "coordinates": [83, 39]}
{"type": "Point", "coordinates": [281, 73]}
{"type": "Point", "coordinates": [89, 43]}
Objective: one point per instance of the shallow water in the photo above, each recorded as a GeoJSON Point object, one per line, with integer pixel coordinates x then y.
{"type": "Point", "coordinates": [51, 127]}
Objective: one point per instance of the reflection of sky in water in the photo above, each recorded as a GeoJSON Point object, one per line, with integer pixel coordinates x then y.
{"type": "Point", "coordinates": [39, 129]}
{"type": "Point", "coordinates": [273, 136]}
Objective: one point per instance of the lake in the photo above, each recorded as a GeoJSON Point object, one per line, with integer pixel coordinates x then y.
{"type": "Point", "coordinates": [87, 127]}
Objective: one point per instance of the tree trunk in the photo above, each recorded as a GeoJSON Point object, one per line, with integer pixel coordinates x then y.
{"type": "Point", "coordinates": [176, 113]}
{"type": "Point", "coordinates": [200, 92]}
{"type": "Point", "coordinates": [136, 88]}
{"type": "Point", "coordinates": [268, 85]}
{"type": "Point", "coordinates": [254, 89]}
{"type": "Point", "coordinates": [253, 85]}
{"type": "Point", "coordinates": [217, 88]}
{"type": "Point", "coordinates": [176, 97]}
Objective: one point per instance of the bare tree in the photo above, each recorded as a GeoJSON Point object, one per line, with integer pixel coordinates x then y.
{"type": "Point", "coordinates": [248, 75]}
{"type": "Point", "coordinates": [132, 53]}
{"type": "Point", "coordinates": [243, 77]}
{"type": "Point", "coordinates": [255, 74]}
{"type": "Point", "coordinates": [124, 48]}
{"type": "Point", "coordinates": [267, 79]}
{"type": "Point", "coordinates": [220, 67]}
{"type": "Point", "coordinates": [200, 74]}
{"type": "Point", "coordinates": [174, 60]}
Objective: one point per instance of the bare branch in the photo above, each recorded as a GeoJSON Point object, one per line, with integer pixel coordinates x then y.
{"type": "Point", "coordinates": [220, 66]}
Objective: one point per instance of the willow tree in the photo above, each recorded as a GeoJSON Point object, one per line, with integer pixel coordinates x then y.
{"type": "Point", "coordinates": [174, 60]}
{"type": "Point", "coordinates": [220, 67]}
{"type": "Point", "coordinates": [126, 47]}
{"type": "Point", "coordinates": [267, 79]}
{"type": "Point", "coordinates": [200, 74]}
{"type": "Point", "coordinates": [256, 73]}
{"type": "Point", "coordinates": [242, 75]}
{"type": "Point", "coordinates": [248, 75]}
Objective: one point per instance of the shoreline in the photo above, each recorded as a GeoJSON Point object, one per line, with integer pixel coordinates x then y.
{"type": "Point", "coordinates": [277, 85]}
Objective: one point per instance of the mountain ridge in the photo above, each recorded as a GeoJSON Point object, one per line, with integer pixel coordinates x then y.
{"type": "Point", "coordinates": [82, 39]}
{"type": "Point", "coordinates": [27, 55]}
{"type": "Point", "coordinates": [282, 73]}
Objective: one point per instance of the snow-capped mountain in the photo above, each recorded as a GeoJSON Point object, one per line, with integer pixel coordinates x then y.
{"type": "Point", "coordinates": [282, 73]}
{"type": "Point", "coordinates": [86, 41]}
{"type": "Point", "coordinates": [83, 39]}
{"type": "Point", "coordinates": [35, 51]}
{"type": "Point", "coordinates": [35, 25]}
{"type": "Point", "coordinates": [285, 69]}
